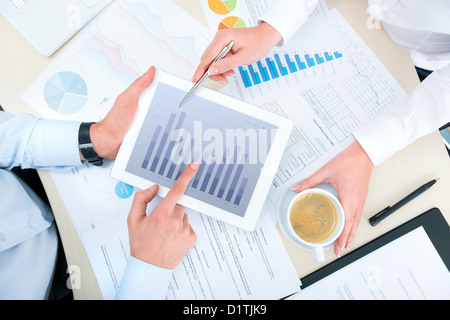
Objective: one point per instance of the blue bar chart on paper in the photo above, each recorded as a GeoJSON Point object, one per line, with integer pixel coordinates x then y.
{"type": "Point", "coordinates": [172, 137]}
{"type": "Point", "coordinates": [278, 66]}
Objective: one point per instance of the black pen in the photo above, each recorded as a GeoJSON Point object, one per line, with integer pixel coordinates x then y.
{"type": "Point", "coordinates": [387, 211]}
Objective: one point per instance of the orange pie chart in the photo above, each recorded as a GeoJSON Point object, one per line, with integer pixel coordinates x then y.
{"type": "Point", "coordinates": [222, 7]}
{"type": "Point", "coordinates": [232, 22]}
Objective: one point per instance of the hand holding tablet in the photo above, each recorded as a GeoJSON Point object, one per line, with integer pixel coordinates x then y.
{"type": "Point", "coordinates": [238, 147]}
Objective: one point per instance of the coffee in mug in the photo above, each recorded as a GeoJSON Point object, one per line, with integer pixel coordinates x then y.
{"type": "Point", "coordinates": [313, 217]}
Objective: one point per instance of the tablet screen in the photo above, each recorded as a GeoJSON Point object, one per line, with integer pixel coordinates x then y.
{"type": "Point", "coordinates": [231, 148]}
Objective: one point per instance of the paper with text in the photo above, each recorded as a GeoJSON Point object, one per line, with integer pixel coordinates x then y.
{"type": "Point", "coordinates": [408, 268]}
{"type": "Point", "coordinates": [328, 82]}
{"type": "Point", "coordinates": [225, 263]}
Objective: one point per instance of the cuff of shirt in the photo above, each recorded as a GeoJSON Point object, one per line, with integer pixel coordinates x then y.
{"type": "Point", "coordinates": [56, 144]}
{"type": "Point", "coordinates": [381, 138]}
{"type": "Point", "coordinates": [288, 16]}
{"type": "Point", "coordinates": [416, 115]}
{"type": "Point", "coordinates": [143, 281]}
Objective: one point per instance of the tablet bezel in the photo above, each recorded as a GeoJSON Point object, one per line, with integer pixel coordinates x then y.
{"type": "Point", "coordinates": [268, 171]}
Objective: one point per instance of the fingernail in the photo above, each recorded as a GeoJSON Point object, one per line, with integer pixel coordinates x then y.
{"type": "Point", "coordinates": [339, 252]}
{"type": "Point", "coordinates": [213, 70]}
{"type": "Point", "coordinates": [295, 188]}
{"type": "Point", "coordinates": [347, 246]}
{"type": "Point", "coordinates": [194, 165]}
{"type": "Point", "coordinates": [223, 81]}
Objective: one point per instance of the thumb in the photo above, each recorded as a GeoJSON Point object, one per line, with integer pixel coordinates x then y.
{"type": "Point", "coordinates": [135, 90]}
{"type": "Point", "coordinates": [140, 201]}
{"type": "Point", "coordinates": [309, 182]}
{"type": "Point", "coordinates": [228, 63]}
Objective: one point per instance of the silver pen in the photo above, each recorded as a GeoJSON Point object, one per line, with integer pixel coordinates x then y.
{"type": "Point", "coordinates": [197, 85]}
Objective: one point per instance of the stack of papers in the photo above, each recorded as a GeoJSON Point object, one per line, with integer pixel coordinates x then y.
{"type": "Point", "coordinates": [82, 84]}
{"type": "Point", "coordinates": [325, 79]}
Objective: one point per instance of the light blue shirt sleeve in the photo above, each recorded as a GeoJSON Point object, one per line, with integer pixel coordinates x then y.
{"type": "Point", "coordinates": [31, 142]}
{"type": "Point", "coordinates": [28, 239]}
{"type": "Point", "coordinates": [143, 281]}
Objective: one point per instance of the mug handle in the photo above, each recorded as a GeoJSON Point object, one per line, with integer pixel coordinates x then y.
{"type": "Point", "coordinates": [318, 254]}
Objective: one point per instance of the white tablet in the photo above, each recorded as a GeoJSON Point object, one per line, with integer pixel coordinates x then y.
{"type": "Point", "coordinates": [238, 147]}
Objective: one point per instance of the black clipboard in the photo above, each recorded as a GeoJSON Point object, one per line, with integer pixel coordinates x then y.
{"type": "Point", "coordinates": [432, 221]}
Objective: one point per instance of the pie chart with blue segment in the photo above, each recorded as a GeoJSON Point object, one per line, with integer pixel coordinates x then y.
{"type": "Point", "coordinates": [66, 92]}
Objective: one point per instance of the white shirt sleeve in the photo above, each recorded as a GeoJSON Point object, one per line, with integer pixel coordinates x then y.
{"type": "Point", "coordinates": [418, 114]}
{"type": "Point", "coordinates": [288, 15]}
{"type": "Point", "coordinates": [143, 281]}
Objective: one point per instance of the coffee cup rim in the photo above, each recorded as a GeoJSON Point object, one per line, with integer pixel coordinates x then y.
{"type": "Point", "coordinates": [339, 211]}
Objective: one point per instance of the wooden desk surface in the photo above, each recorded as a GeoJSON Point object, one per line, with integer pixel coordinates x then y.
{"type": "Point", "coordinates": [20, 64]}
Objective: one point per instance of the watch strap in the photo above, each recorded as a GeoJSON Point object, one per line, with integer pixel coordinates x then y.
{"type": "Point", "coordinates": [85, 145]}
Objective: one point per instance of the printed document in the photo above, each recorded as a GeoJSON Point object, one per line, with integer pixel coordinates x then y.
{"type": "Point", "coordinates": [408, 268]}
{"type": "Point", "coordinates": [81, 84]}
{"type": "Point", "coordinates": [326, 80]}
{"type": "Point", "coordinates": [225, 263]}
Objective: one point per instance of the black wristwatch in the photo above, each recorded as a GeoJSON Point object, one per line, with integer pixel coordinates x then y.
{"type": "Point", "coordinates": [85, 145]}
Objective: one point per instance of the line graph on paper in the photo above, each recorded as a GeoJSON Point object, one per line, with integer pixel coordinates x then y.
{"type": "Point", "coordinates": [366, 84]}
{"type": "Point", "coordinates": [135, 36]}
{"type": "Point", "coordinates": [179, 47]}
{"type": "Point", "coordinates": [370, 91]}
{"type": "Point", "coordinates": [112, 56]}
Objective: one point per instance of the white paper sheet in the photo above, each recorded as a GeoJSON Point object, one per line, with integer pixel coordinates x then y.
{"type": "Point", "coordinates": [101, 61]}
{"type": "Point", "coordinates": [108, 54]}
{"type": "Point", "coordinates": [325, 100]}
{"type": "Point", "coordinates": [238, 14]}
{"type": "Point", "coordinates": [408, 268]}
{"type": "Point", "coordinates": [225, 263]}
{"type": "Point", "coordinates": [127, 38]}
{"type": "Point", "coordinates": [82, 84]}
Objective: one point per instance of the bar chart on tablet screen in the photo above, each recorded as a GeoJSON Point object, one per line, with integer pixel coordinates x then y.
{"type": "Point", "coordinates": [230, 149]}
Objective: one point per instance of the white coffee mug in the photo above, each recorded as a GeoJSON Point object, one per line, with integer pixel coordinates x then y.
{"type": "Point", "coordinates": [318, 247]}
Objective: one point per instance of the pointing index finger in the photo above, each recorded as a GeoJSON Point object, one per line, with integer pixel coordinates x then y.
{"type": "Point", "coordinates": [180, 186]}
